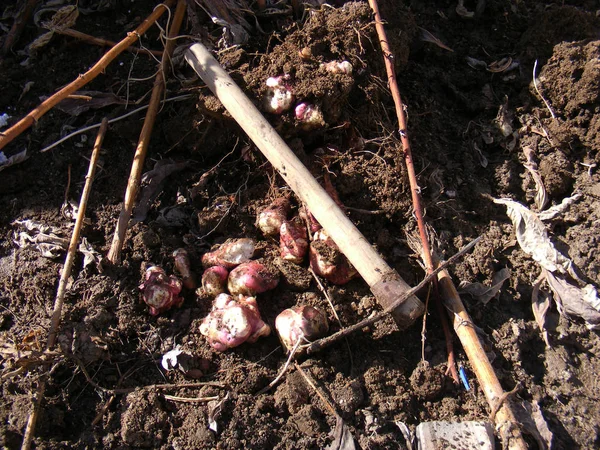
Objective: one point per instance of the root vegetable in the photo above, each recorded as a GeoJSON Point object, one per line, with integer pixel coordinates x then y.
{"type": "Point", "coordinates": [293, 240]}
{"type": "Point", "coordinates": [279, 96]}
{"type": "Point", "coordinates": [214, 280]}
{"type": "Point", "coordinates": [338, 67]}
{"type": "Point", "coordinates": [233, 322]}
{"type": "Point", "coordinates": [327, 261]}
{"type": "Point", "coordinates": [160, 291]}
{"type": "Point", "coordinates": [230, 254]}
{"type": "Point", "coordinates": [310, 116]}
{"type": "Point", "coordinates": [312, 223]}
{"type": "Point", "coordinates": [251, 278]}
{"type": "Point", "coordinates": [269, 220]}
{"type": "Point", "coordinates": [182, 265]}
{"type": "Point", "coordinates": [300, 322]}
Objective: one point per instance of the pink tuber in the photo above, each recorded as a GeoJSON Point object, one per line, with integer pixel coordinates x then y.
{"type": "Point", "coordinates": [300, 322]}
{"type": "Point", "coordinates": [233, 322]}
{"type": "Point", "coordinates": [293, 240]}
{"type": "Point", "coordinates": [312, 223]}
{"type": "Point", "coordinates": [159, 291]}
{"type": "Point", "coordinates": [231, 253]}
{"type": "Point", "coordinates": [269, 220]}
{"type": "Point", "coordinates": [279, 96]}
{"type": "Point", "coordinates": [327, 261]}
{"type": "Point", "coordinates": [251, 278]}
{"type": "Point", "coordinates": [337, 67]}
{"type": "Point", "coordinates": [310, 116]}
{"type": "Point", "coordinates": [214, 280]}
{"type": "Point", "coordinates": [182, 265]}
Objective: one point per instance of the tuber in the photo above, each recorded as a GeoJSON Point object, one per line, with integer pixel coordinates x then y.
{"type": "Point", "coordinates": [327, 261]}
{"type": "Point", "coordinates": [293, 240]}
{"type": "Point", "coordinates": [310, 116]}
{"type": "Point", "coordinates": [231, 253]}
{"type": "Point", "coordinates": [300, 322]}
{"type": "Point", "coordinates": [214, 280]}
{"type": "Point", "coordinates": [251, 278]}
{"type": "Point", "coordinates": [159, 291]}
{"type": "Point", "coordinates": [337, 67]}
{"type": "Point", "coordinates": [269, 220]}
{"type": "Point", "coordinates": [233, 322]}
{"type": "Point", "coordinates": [279, 96]}
{"type": "Point", "coordinates": [182, 265]}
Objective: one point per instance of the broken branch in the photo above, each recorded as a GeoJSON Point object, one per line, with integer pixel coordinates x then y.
{"type": "Point", "coordinates": [133, 185]}
{"type": "Point", "coordinates": [33, 116]}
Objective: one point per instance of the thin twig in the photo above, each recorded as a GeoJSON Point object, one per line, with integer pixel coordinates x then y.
{"type": "Point", "coordinates": [133, 185]}
{"type": "Point", "coordinates": [82, 80]}
{"type": "Point", "coordinates": [62, 285]}
{"type": "Point", "coordinates": [19, 24]}
{"type": "Point", "coordinates": [538, 91]}
{"type": "Point", "coordinates": [285, 366]}
{"type": "Point", "coordinates": [313, 385]}
{"type": "Point", "coordinates": [326, 341]}
{"type": "Point", "coordinates": [410, 167]}
{"type": "Point", "coordinates": [116, 119]}
{"type": "Point", "coordinates": [103, 42]}
{"type": "Point", "coordinates": [191, 400]}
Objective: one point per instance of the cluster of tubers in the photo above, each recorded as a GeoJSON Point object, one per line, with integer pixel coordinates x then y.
{"type": "Point", "coordinates": [234, 280]}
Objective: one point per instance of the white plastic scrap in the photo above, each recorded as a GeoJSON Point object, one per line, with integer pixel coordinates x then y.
{"type": "Point", "coordinates": [12, 160]}
{"type": "Point", "coordinates": [169, 359]}
{"type": "Point", "coordinates": [4, 121]}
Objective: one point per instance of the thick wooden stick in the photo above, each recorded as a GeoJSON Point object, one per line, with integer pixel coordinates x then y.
{"type": "Point", "coordinates": [384, 282]}
{"type": "Point", "coordinates": [62, 284]}
{"type": "Point", "coordinates": [505, 420]}
{"type": "Point", "coordinates": [133, 184]}
{"type": "Point", "coordinates": [34, 115]}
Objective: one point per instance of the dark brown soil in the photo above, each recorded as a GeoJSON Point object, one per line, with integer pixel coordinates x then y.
{"type": "Point", "coordinates": [468, 127]}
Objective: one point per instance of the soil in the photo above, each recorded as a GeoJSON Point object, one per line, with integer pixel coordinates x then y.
{"type": "Point", "coordinates": [105, 386]}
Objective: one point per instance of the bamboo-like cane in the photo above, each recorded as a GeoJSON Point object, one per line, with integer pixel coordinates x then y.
{"type": "Point", "coordinates": [133, 184]}
{"type": "Point", "coordinates": [35, 114]}
{"type": "Point", "coordinates": [505, 420]}
{"type": "Point", "coordinates": [62, 284]}
{"type": "Point", "coordinates": [384, 282]}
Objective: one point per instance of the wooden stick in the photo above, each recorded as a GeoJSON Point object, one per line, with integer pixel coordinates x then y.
{"type": "Point", "coordinates": [103, 42]}
{"type": "Point", "coordinates": [384, 282]}
{"type": "Point", "coordinates": [133, 184]}
{"type": "Point", "coordinates": [505, 420]}
{"type": "Point", "coordinates": [82, 80]}
{"type": "Point", "coordinates": [327, 341]}
{"type": "Point", "coordinates": [62, 284]}
{"type": "Point", "coordinates": [412, 176]}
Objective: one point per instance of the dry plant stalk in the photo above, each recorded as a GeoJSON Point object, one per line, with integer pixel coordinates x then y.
{"type": "Point", "coordinates": [34, 115]}
{"type": "Point", "coordinates": [103, 42]}
{"type": "Point", "coordinates": [412, 177]}
{"type": "Point", "coordinates": [15, 32]}
{"type": "Point", "coordinates": [62, 285]}
{"type": "Point", "coordinates": [133, 184]}
{"type": "Point", "coordinates": [505, 419]}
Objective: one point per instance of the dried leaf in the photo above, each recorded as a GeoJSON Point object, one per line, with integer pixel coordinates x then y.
{"type": "Point", "coordinates": [409, 438]}
{"type": "Point", "coordinates": [575, 301]}
{"type": "Point", "coordinates": [481, 157]}
{"type": "Point", "coordinates": [89, 254]}
{"type": "Point", "coordinates": [43, 237]}
{"type": "Point", "coordinates": [82, 101]}
{"type": "Point", "coordinates": [152, 184]}
{"type": "Point", "coordinates": [501, 65]}
{"type": "Point", "coordinates": [343, 439]}
{"type": "Point", "coordinates": [40, 41]}
{"type": "Point", "coordinates": [541, 197]}
{"type": "Point", "coordinates": [426, 36]}
{"type": "Point", "coordinates": [215, 407]}
{"type": "Point", "coordinates": [12, 160]}
{"type": "Point", "coordinates": [65, 17]}
{"type": "Point", "coordinates": [533, 237]}
{"type": "Point", "coordinates": [540, 304]}
{"type": "Point", "coordinates": [559, 209]}
{"type": "Point", "coordinates": [484, 293]}
{"type": "Point", "coordinates": [531, 418]}
{"type": "Point", "coordinates": [476, 63]}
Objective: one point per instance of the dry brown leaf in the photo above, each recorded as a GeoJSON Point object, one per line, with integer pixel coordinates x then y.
{"type": "Point", "coordinates": [343, 439]}
{"type": "Point", "coordinates": [64, 18]}
{"type": "Point", "coordinates": [540, 304]}
{"type": "Point", "coordinates": [426, 36]}
{"type": "Point", "coordinates": [82, 101]}
{"type": "Point", "coordinates": [575, 301]}
{"type": "Point", "coordinates": [485, 293]}
{"type": "Point", "coordinates": [541, 197]}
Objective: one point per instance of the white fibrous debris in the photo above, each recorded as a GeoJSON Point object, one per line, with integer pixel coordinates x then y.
{"type": "Point", "coordinates": [337, 67]}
